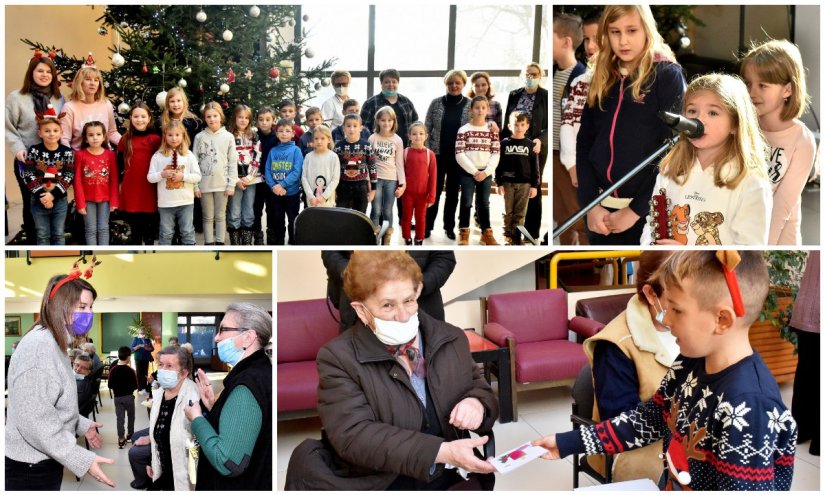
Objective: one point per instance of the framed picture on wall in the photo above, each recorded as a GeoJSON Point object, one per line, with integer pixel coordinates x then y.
{"type": "Point", "coordinates": [12, 326]}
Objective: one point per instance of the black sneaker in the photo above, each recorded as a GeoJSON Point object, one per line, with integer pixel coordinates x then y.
{"type": "Point", "coordinates": [450, 234]}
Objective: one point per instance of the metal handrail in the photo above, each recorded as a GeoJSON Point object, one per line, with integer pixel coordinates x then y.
{"type": "Point", "coordinates": [584, 255]}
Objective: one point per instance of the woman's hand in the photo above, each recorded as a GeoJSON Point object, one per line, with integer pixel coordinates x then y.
{"type": "Point", "coordinates": [21, 156]}
{"type": "Point", "coordinates": [621, 220]}
{"type": "Point", "coordinates": [145, 440]}
{"type": "Point", "coordinates": [98, 473]}
{"type": "Point", "coordinates": [93, 436]}
{"type": "Point", "coordinates": [595, 220]}
{"type": "Point", "coordinates": [198, 194]}
{"type": "Point", "coordinates": [537, 146]}
{"type": "Point", "coordinates": [467, 414]}
{"type": "Point", "coordinates": [549, 443]}
{"type": "Point", "coordinates": [461, 454]}
{"type": "Point", "coordinates": [494, 127]}
{"type": "Point", "coordinates": [192, 411]}
{"type": "Point", "coordinates": [205, 390]}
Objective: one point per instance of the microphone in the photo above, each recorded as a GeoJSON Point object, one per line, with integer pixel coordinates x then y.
{"type": "Point", "coordinates": [692, 128]}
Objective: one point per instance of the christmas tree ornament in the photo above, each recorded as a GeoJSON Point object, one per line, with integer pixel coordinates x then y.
{"type": "Point", "coordinates": [230, 76]}
{"type": "Point", "coordinates": [155, 69]}
{"type": "Point", "coordinates": [124, 24]}
{"type": "Point", "coordinates": [187, 70]}
{"type": "Point", "coordinates": [182, 82]}
{"type": "Point", "coordinates": [200, 88]}
{"type": "Point", "coordinates": [225, 104]}
{"type": "Point", "coordinates": [225, 88]}
{"type": "Point", "coordinates": [274, 73]}
{"type": "Point", "coordinates": [200, 16]}
{"type": "Point", "coordinates": [290, 22]}
{"type": "Point", "coordinates": [89, 63]}
{"type": "Point", "coordinates": [145, 69]}
{"type": "Point", "coordinates": [202, 107]}
{"type": "Point", "coordinates": [102, 31]}
{"type": "Point", "coordinates": [254, 11]}
{"type": "Point", "coordinates": [309, 52]}
{"type": "Point", "coordinates": [325, 82]}
{"type": "Point", "coordinates": [287, 65]}
{"type": "Point", "coordinates": [306, 17]}
{"type": "Point", "coordinates": [123, 108]}
{"type": "Point", "coordinates": [160, 99]}
{"type": "Point", "coordinates": [227, 35]}
{"type": "Point", "coordinates": [248, 74]}
{"type": "Point", "coordinates": [317, 86]}
{"type": "Point", "coordinates": [118, 60]}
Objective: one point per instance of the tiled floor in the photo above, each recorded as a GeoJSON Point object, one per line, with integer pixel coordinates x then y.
{"type": "Point", "coordinates": [438, 238]}
{"type": "Point", "coordinates": [540, 412]}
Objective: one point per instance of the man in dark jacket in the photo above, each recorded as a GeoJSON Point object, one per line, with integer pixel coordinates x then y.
{"type": "Point", "coordinates": [436, 266]}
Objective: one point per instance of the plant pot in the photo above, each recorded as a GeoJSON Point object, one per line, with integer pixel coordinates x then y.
{"type": "Point", "coordinates": [777, 352]}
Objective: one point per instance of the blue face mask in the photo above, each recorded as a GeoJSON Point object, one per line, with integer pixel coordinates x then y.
{"type": "Point", "coordinates": [228, 353]}
{"type": "Point", "coordinates": [81, 322]}
{"type": "Point", "coordinates": [389, 94]}
{"type": "Point", "coordinates": [531, 83]}
{"type": "Point", "coordinates": [168, 378]}
{"type": "Point", "coordinates": [79, 377]}
{"type": "Point", "coordinates": [660, 316]}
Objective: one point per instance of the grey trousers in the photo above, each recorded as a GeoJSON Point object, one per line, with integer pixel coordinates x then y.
{"type": "Point", "coordinates": [125, 405]}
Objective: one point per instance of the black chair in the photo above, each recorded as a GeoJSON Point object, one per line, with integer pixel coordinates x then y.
{"type": "Point", "coordinates": [583, 399]}
{"type": "Point", "coordinates": [321, 226]}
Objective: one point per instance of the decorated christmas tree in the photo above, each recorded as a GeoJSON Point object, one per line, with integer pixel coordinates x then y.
{"type": "Point", "coordinates": [227, 53]}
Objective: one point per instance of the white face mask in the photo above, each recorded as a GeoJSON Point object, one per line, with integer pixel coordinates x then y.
{"type": "Point", "coordinates": [391, 332]}
{"type": "Point", "coordinates": [669, 343]}
{"type": "Point", "coordinates": [341, 91]}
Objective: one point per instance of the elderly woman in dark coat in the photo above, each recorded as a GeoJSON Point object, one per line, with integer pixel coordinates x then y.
{"type": "Point", "coordinates": [398, 392]}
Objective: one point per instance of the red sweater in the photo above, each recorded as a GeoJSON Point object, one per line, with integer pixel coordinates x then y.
{"type": "Point", "coordinates": [137, 194]}
{"type": "Point", "coordinates": [420, 175]}
{"type": "Point", "coordinates": [95, 178]}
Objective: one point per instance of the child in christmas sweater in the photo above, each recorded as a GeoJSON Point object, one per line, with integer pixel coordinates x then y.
{"type": "Point", "coordinates": [718, 409]}
{"type": "Point", "coordinates": [96, 184]}
{"type": "Point", "coordinates": [358, 170]}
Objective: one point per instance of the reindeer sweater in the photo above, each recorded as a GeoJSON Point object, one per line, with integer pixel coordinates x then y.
{"type": "Point", "coordinates": [38, 159]}
{"type": "Point", "coordinates": [703, 214]}
{"type": "Point", "coordinates": [731, 426]}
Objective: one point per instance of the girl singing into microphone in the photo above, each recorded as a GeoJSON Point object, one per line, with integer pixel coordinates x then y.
{"type": "Point", "coordinates": [634, 77]}
{"type": "Point", "coordinates": [714, 189]}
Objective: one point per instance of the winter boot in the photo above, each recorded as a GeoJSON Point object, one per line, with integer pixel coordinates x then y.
{"type": "Point", "coordinates": [487, 238]}
{"type": "Point", "coordinates": [234, 236]}
{"type": "Point", "coordinates": [246, 236]}
{"type": "Point", "coordinates": [408, 242]}
{"type": "Point", "coordinates": [387, 237]}
{"type": "Point", "coordinates": [419, 242]}
{"type": "Point", "coordinates": [463, 237]}
{"type": "Point", "coordinates": [270, 237]}
{"type": "Point", "coordinates": [258, 236]}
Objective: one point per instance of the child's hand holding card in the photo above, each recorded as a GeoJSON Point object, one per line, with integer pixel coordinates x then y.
{"type": "Point", "coordinates": [517, 457]}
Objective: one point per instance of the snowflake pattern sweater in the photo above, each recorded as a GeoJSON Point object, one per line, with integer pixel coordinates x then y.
{"type": "Point", "coordinates": [38, 159]}
{"type": "Point", "coordinates": [477, 149]}
{"type": "Point", "coordinates": [728, 430]}
{"type": "Point", "coordinates": [357, 161]}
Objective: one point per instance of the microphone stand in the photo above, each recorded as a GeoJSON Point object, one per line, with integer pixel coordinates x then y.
{"type": "Point", "coordinates": [607, 192]}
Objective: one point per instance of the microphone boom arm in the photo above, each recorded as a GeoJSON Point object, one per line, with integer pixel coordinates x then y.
{"type": "Point", "coordinates": [607, 192]}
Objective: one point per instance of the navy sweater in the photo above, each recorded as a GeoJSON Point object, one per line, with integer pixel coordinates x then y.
{"type": "Point", "coordinates": [605, 153]}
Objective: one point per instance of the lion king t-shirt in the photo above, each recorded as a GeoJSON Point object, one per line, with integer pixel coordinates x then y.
{"type": "Point", "coordinates": [702, 214]}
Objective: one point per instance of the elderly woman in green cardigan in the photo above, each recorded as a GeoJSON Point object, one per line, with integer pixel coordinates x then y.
{"type": "Point", "coordinates": [234, 429]}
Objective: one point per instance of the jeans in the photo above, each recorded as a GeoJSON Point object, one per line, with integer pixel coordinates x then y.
{"type": "Point", "coordinates": [482, 192]}
{"type": "Point", "coordinates": [96, 222]}
{"type": "Point", "coordinates": [41, 476]}
{"type": "Point", "coordinates": [261, 190]}
{"type": "Point", "coordinates": [50, 223]}
{"type": "Point", "coordinates": [213, 206]}
{"type": "Point", "coordinates": [180, 216]}
{"type": "Point", "coordinates": [25, 195]}
{"type": "Point", "coordinates": [242, 208]}
{"type": "Point", "coordinates": [383, 201]}
{"type": "Point", "coordinates": [125, 405]}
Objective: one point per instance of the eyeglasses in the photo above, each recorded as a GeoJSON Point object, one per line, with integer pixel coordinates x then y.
{"type": "Point", "coordinates": [340, 85]}
{"type": "Point", "coordinates": [223, 329]}
{"type": "Point", "coordinates": [533, 75]}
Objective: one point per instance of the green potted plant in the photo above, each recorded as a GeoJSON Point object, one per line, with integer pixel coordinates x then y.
{"type": "Point", "coordinates": [137, 325]}
{"type": "Point", "coordinates": [770, 335]}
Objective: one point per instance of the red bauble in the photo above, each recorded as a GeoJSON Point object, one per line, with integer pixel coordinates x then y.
{"type": "Point", "coordinates": [274, 72]}
{"type": "Point", "coordinates": [145, 69]}
{"type": "Point", "coordinates": [225, 104]}
{"type": "Point", "coordinates": [230, 76]}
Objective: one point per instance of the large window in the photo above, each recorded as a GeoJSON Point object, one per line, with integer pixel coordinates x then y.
{"type": "Point", "coordinates": [198, 329]}
{"type": "Point", "coordinates": [423, 42]}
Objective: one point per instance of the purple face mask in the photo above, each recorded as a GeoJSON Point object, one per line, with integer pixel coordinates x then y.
{"type": "Point", "coordinates": [81, 322]}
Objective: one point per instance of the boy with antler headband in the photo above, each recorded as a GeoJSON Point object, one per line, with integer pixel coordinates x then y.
{"type": "Point", "coordinates": [48, 173]}
{"type": "Point", "coordinates": [718, 408]}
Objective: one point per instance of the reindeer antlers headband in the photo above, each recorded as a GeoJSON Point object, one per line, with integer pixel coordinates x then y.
{"type": "Point", "coordinates": [730, 259]}
{"type": "Point", "coordinates": [75, 274]}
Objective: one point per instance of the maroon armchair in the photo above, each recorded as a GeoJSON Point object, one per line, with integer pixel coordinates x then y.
{"type": "Point", "coordinates": [603, 309]}
{"type": "Point", "coordinates": [303, 328]}
{"type": "Point", "coordinates": [534, 326]}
